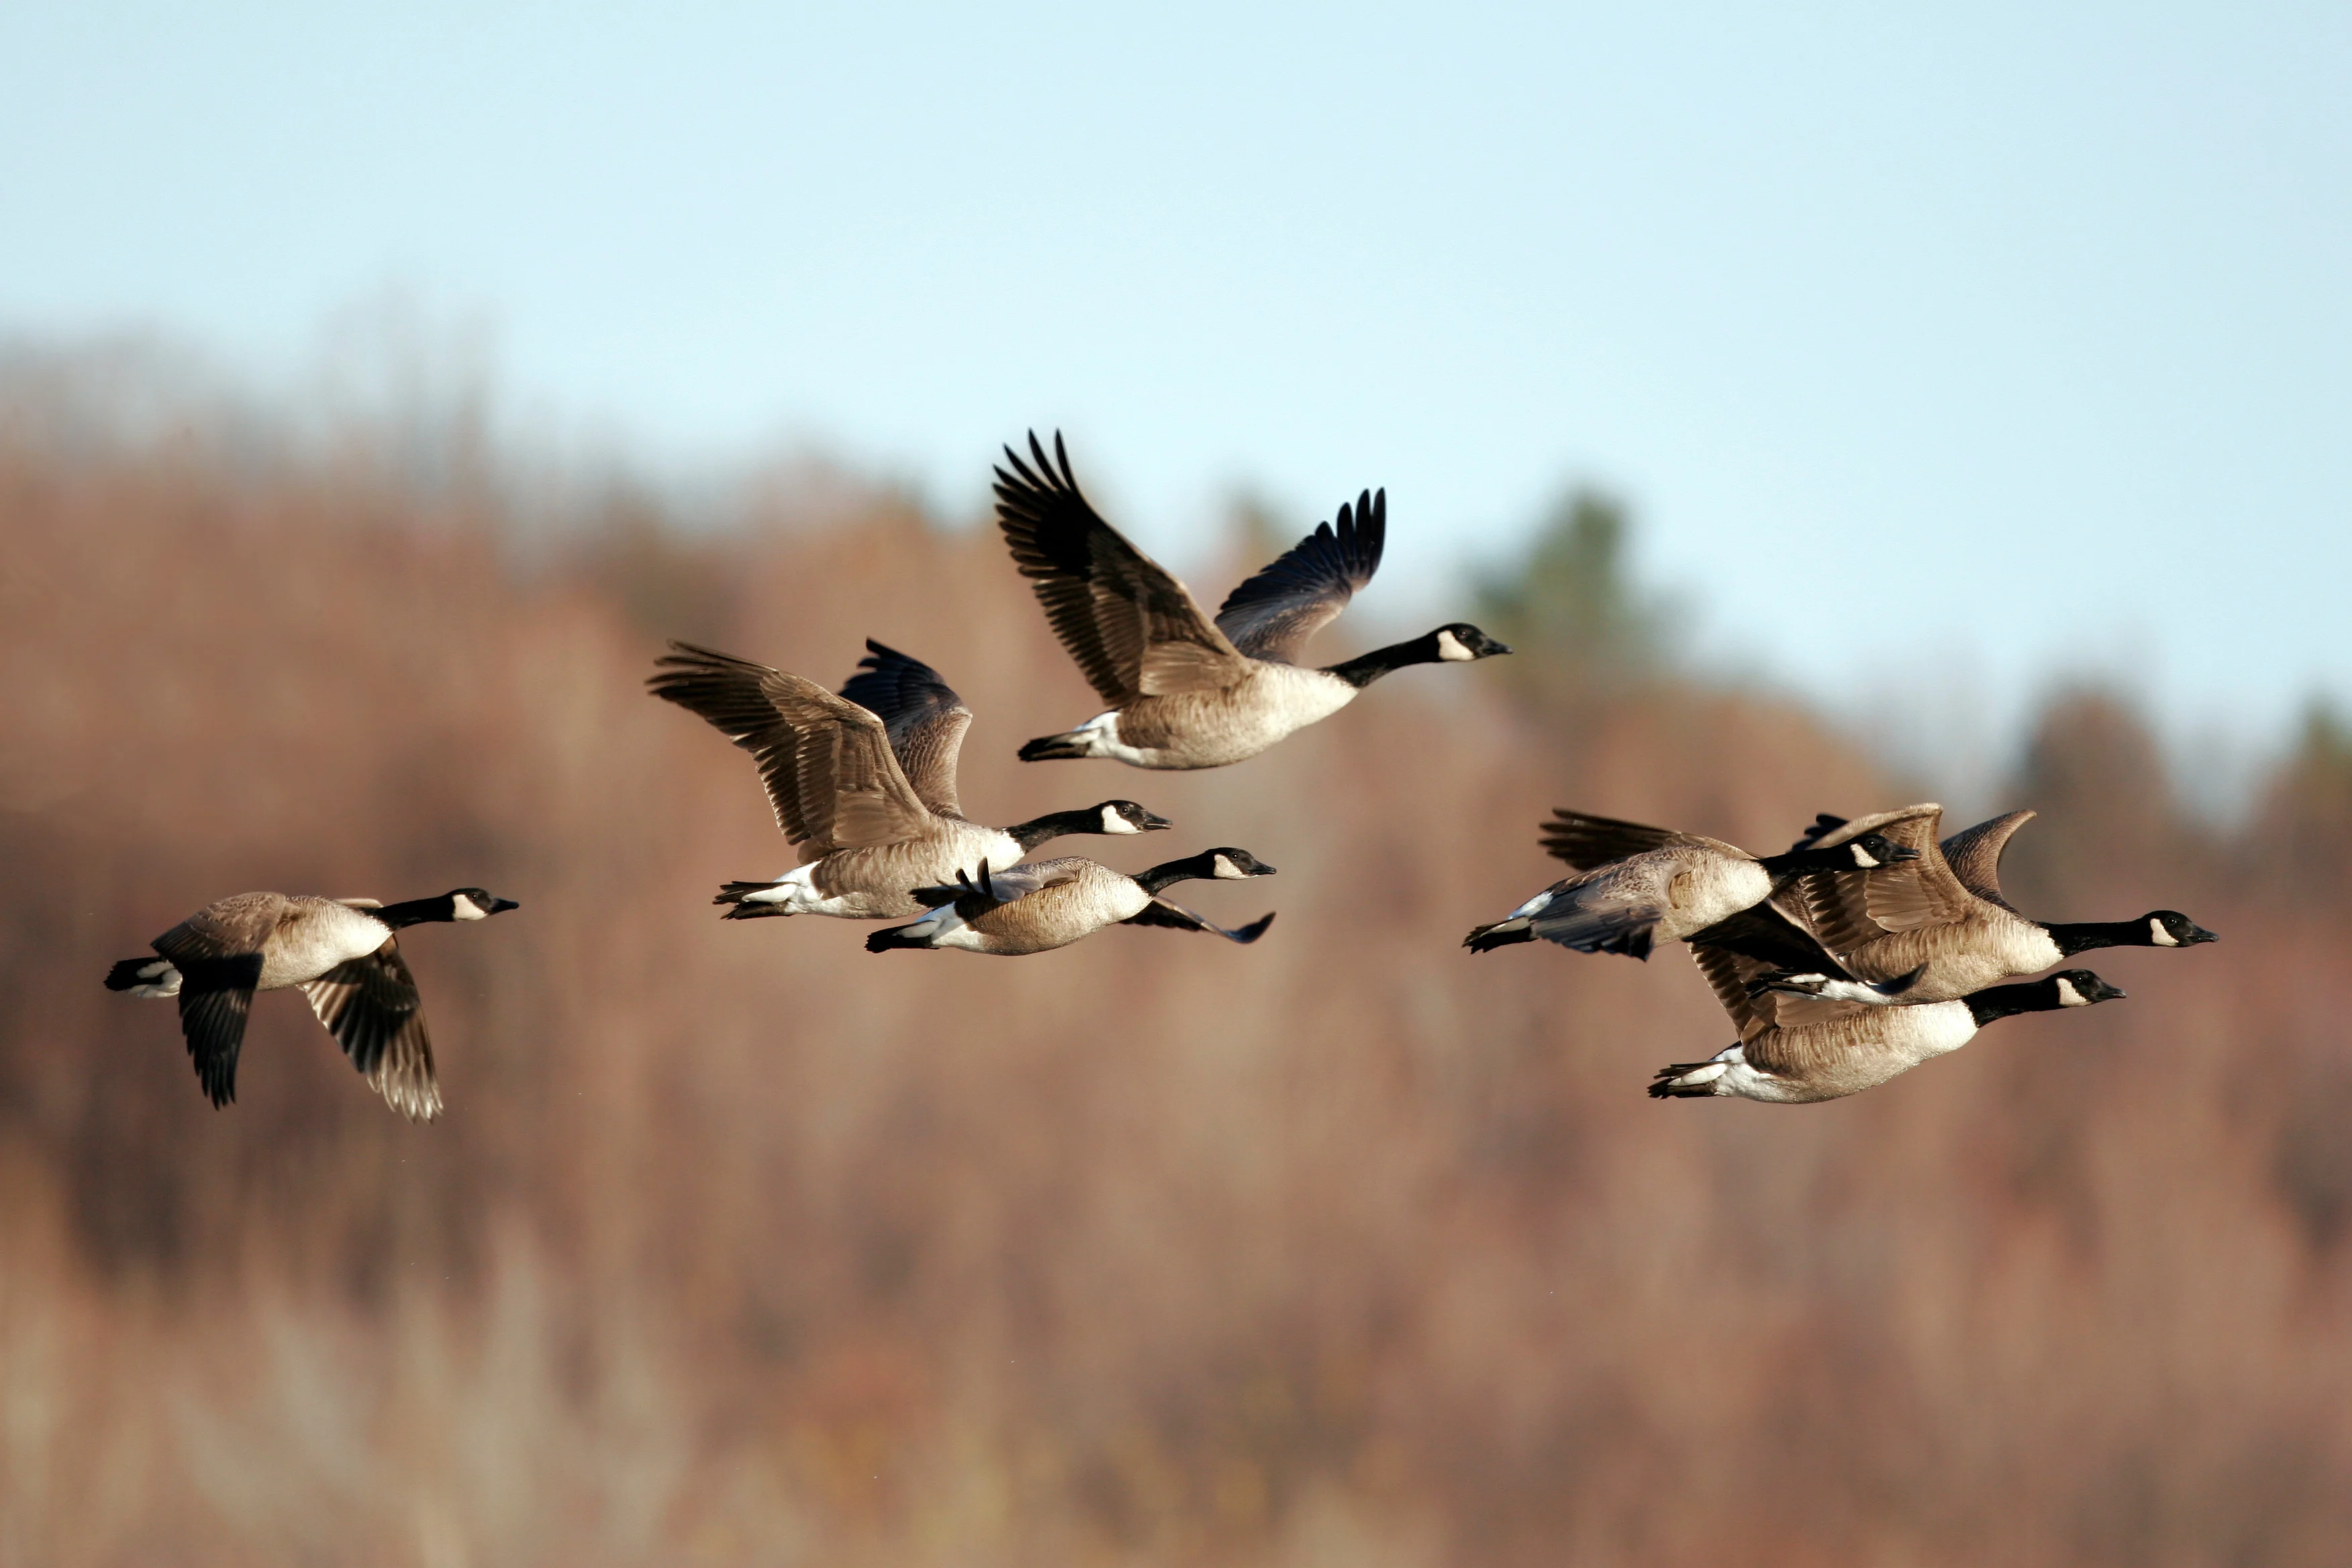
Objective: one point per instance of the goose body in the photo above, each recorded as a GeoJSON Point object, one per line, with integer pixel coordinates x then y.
{"type": "Point", "coordinates": [343, 954]}
{"type": "Point", "coordinates": [865, 783]}
{"type": "Point", "coordinates": [1637, 886]}
{"type": "Point", "coordinates": [1796, 1050]}
{"type": "Point", "coordinates": [1053, 903]}
{"type": "Point", "coordinates": [1939, 914]}
{"type": "Point", "coordinates": [1186, 691]}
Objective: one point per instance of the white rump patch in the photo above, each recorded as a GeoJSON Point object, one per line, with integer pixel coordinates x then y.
{"type": "Point", "coordinates": [2158, 935]}
{"type": "Point", "coordinates": [1707, 1073]}
{"type": "Point", "coordinates": [1450, 649]}
{"type": "Point", "coordinates": [2070, 997]}
{"type": "Point", "coordinates": [1113, 823]}
{"type": "Point", "coordinates": [160, 980]}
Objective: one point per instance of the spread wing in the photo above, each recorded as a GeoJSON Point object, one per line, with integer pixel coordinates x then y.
{"type": "Point", "coordinates": [1848, 910]}
{"type": "Point", "coordinates": [1133, 629]}
{"type": "Point", "coordinates": [371, 1006]}
{"type": "Point", "coordinates": [1974, 856]}
{"type": "Point", "coordinates": [827, 763]}
{"type": "Point", "coordinates": [1160, 912]}
{"type": "Point", "coordinates": [1585, 841]}
{"type": "Point", "coordinates": [1767, 935]}
{"type": "Point", "coordinates": [1729, 974]}
{"type": "Point", "coordinates": [217, 951]}
{"type": "Point", "coordinates": [1273, 615]}
{"type": "Point", "coordinates": [924, 717]}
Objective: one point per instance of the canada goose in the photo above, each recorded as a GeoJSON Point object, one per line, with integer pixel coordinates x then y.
{"type": "Point", "coordinates": [1035, 909]}
{"type": "Point", "coordinates": [1830, 1049]}
{"type": "Point", "coordinates": [341, 951]}
{"type": "Point", "coordinates": [1638, 885]}
{"type": "Point", "coordinates": [1940, 913]}
{"type": "Point", "coordinates": [865, 783]}
{"type": "Point", "coordinates": [1186, 692]}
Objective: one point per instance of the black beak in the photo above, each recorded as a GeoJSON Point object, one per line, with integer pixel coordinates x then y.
{"type": "Point", "coordinates": [1153, 822]}
{"type": "Point", "coordinates": [1494, 647]}
{"type": "Point", "coordinates": [499, 906]}
{"type": "Point", "coordinates": [1900, 852]}
{"type": "Point", "coordinates": [2114, 993]}
{"type": "Point", "coordinates": [2199, 933]}
{"type": "Point", "coordinates": [1261, 869]}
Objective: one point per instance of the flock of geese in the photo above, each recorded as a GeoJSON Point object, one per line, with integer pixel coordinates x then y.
{"type": "Point", "coordinates": [1867, 948]}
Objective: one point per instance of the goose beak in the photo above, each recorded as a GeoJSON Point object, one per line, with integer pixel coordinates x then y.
{"type": "Point", "coordinates": [1153, 822]}
{"type": "Point", "coordinates": [1261, 869]}
{"type": "Point", "coordinates": [2199, 933]}
{"type": "Point", "coordinates": [499, 906]}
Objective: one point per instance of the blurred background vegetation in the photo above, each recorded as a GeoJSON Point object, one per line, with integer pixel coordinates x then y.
{"type": "Point", "coordinates": [740, 1244]}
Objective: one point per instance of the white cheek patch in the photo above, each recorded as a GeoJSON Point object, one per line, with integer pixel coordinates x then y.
{"type": "Point", "coordinates": [1864, 858]}
{"type": "Point", "coordinates": [464, 909]}
{"type": "Point", "coordinates": [2159, 936]}
{"type": "Point", "coordinates": [1227, 871]}
{"type": "Point", "coordinates": [2070, 997]}
{"type": "Point", "coordinates": [1113, 823]}
{"type": "Point", "coordinates": [1452, 648]}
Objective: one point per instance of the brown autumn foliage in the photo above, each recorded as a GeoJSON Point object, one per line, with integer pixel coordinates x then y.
{"type": "Point", "coordinates": [738, 1244]}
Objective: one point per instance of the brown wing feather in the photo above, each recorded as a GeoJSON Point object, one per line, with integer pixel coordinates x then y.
{"type": "Point", "coordinates": [852, 790]}
{"type": "Point", "coordinates": [1974, 855]}
{"type": "Point", "coordinates": [726, 692]}
{"type": "Point", "coordinates": [925, 717]}
{"type": "Point", "coordinates": [1728, 973]}
{"type": "Point", "coordinates": [1850, 909]}
{"type": "Point", "coordinates": [371, 1007]}
{"type": "Point", "coordinates": [1585, 841]}
{"type": "Point", "coordinates": [1128, 622]}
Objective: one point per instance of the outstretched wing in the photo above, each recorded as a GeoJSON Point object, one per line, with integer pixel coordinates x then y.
{"type": "Point", "coordinates": [1160, 912]}
{"type": "Point", "coordinates": [371, 1006]}
{"type": "Point", "coordinates": [1974, 856]}
{"type": "Point", "coordinates": [827, 763]}
{"type": "Point", "coordinates": [923, 716]}
{"type": "Point", "coordinates": [1731, 974]}
{"type": "Point", "coordinates": [1273, 615]}
{"type": "Point", "coordinates": [1773, 940]}
{"type": "Point", "coordinates": [216, 999]}
{"type": "Point", "coordinates": [1848, 910]}
{"type": "Point", "coordinates": [1585, 841]}
{"type": "Point", "coordinates": [217, 951]}
{"type": "Point", "coordinates": [1133, 629]}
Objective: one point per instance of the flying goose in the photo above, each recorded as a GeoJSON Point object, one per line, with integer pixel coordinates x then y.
{"type": "Point", "coordinates": [341, 951]}
{"type": "Point", "coordinates": [1830, 1049]}
{"type": "Point", "coordinates": [1187, 693]}
{"type": "Point", "coordinates": [865, 783]}
{"type": "Point", "coordinates": [1939, 914]}
{"type": "Point", "coordinates": [1035, 909]}
{"type": "Point", "coordinates": [1638, 885]}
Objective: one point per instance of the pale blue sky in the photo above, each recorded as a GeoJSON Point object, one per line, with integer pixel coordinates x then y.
{"type": "Point", "coordinates": [1997, 340]}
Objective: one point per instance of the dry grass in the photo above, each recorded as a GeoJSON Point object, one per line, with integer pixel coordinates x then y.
{"type": "Point", "coordinates": [738, 1244]}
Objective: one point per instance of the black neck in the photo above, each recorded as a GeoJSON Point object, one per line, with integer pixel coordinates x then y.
{"type": "Point", "coordinates": [1362, 670]}
{"type": "Point", "coordinates": [1795, 862]}
{"type": "Point", "coordinates": [416, 911]}
{"type": "Point", "coordinates": [1192, 867]}
{"type": "Point", "coordinates": [2005, 1001]}
{"type": "Point", "coordinates": [2082, 936]}
{"type": "Point", "coordinates": [1054, 824]}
